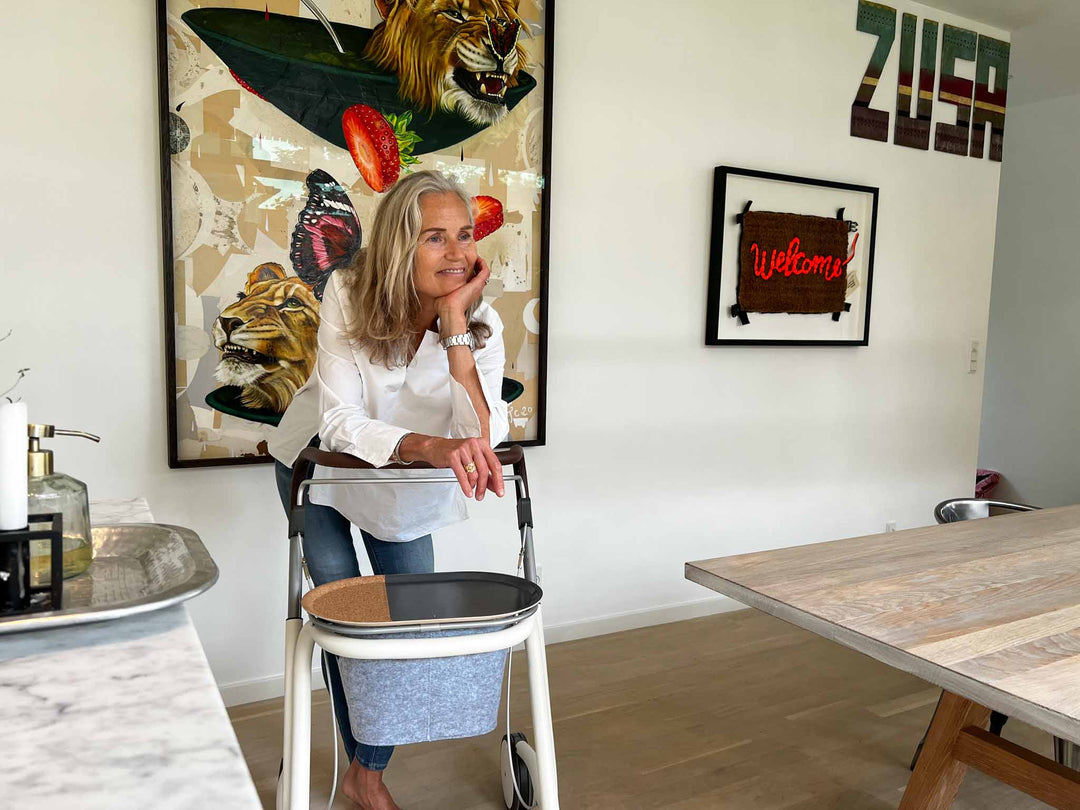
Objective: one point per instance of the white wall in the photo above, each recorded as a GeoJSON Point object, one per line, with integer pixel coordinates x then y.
{"type": "Point", "coordinates": [1031, 406]}
{"type": "Point", "coordinates": [660, 450]}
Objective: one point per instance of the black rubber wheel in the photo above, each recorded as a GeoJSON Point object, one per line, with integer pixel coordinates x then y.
{"type": "Point", "coordinates": [521, 774]}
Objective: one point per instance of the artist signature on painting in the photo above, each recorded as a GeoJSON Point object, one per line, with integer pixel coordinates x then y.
{"type": "Point", "coordinates": [520, 417]}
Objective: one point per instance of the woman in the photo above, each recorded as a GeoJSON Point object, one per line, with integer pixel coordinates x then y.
{"type": "Point", "coordinates": [409, 368]}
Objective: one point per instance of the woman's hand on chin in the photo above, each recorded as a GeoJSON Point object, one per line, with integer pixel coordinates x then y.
{"type": "Point", "coordinates": [451, 308]}
{"type": "Point", "coordinates": [459, 455]}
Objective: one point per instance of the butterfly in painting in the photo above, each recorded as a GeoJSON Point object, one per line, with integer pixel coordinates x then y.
{"type": "Point", "coordinates": [327, 234]}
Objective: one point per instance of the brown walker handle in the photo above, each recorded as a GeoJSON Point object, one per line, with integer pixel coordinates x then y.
{"type": "Point", "coordinates": [304, 467]}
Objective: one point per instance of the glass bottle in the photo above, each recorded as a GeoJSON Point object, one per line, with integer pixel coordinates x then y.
{"type": "Point", "coordinates": [50, 491]}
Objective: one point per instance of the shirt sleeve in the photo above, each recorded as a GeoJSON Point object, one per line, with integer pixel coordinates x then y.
{"type": "Point", "coordinates": [490, 364]}
{"type": "Point", "coordinates": [346, 426]}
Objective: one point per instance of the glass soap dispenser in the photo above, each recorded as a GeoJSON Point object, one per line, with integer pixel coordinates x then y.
{"type": "Point", "coordinates": [50, 491]}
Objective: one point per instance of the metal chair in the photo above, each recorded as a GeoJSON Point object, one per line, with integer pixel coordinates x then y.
{"type": "Point", "coordinates": [953, 511]}
{"type": "Point", "coordinates": [957, 509]}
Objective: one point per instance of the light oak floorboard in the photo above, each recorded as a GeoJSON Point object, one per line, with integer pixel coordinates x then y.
{"type": "Point", "coordinates": [738, 710]}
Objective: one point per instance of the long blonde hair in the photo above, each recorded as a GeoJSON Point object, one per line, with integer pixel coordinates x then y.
{"type": "Point", "coordinates": [380, 285]}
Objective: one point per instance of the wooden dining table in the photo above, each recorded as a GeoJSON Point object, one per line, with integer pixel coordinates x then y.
{"type": "Point", "coordinates": [989, 610]}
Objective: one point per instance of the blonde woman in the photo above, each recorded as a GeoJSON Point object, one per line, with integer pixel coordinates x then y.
{"type": "Point", "coordinates": [409, 368]}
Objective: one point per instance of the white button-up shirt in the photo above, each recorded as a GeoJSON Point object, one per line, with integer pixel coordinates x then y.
{"type": "Point", "coordinates": [364, 409]}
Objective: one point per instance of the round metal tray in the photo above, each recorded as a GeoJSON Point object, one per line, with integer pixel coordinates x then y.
{"type": "Point", "coordinates": [409, 599]}
{"type": "Point", "coordinates": [137, 567]}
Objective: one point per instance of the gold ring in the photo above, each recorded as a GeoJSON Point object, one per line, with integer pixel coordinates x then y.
{"type": "Point", "coordinates": [470, 467]}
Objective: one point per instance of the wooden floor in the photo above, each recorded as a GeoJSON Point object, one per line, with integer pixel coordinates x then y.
{"type": "Point", "coordinates": [738, 710]}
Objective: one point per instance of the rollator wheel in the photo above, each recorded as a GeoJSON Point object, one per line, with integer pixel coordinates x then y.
{"type": "Point", "coordinates": [520, 773]}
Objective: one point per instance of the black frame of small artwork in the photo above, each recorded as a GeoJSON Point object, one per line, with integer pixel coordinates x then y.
{"type": "Point", "coordinates": [175, 462]}
{"type": "Point", "coordinates": [716, 257]}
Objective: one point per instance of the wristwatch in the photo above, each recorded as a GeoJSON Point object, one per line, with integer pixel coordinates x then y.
{"type": "Point", "coordinates": [457, 340]}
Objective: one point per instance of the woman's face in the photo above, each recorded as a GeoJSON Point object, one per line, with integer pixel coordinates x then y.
{"type": "Point", "coordinates": [446, 255]}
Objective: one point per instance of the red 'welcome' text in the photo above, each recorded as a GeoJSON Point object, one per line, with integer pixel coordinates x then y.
{"type": "Point", "coordinates": [793, 262]}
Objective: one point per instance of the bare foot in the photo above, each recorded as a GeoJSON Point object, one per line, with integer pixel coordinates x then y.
{"type": "Point", "coordinates": [366, 788]}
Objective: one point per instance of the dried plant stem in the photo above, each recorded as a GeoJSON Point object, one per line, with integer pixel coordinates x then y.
{"type": "Point", "coordinates": [22, 373]}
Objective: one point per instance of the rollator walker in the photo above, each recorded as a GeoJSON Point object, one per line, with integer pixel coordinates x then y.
{"type": "Point", "coordinates": [497, 612]}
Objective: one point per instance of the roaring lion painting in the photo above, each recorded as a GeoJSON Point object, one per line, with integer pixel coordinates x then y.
{"type": "Point", "coordinates": [268, 338]}
{"type": "Point", "coordinates": [461, 55]}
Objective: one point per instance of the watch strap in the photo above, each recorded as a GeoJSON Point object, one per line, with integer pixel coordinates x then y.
{"type": "Point", "coordinates": [457, 340]}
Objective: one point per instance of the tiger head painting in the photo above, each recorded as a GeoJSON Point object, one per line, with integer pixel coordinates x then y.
{"type": "Point", "coordinates": [455, 55]}
{"type": "Point", "coordinates": [268, 338]}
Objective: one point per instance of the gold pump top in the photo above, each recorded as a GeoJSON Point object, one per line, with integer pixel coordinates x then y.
{"type": "Point", "coordinates": [39, 462]}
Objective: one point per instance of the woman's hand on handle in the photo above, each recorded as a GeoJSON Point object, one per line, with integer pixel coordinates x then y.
{"type": "Point", "coordinates": [458, 455]}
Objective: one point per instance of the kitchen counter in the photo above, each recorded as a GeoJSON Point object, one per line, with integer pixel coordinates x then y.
{"type": "Point", "coordinates": [119, 714]}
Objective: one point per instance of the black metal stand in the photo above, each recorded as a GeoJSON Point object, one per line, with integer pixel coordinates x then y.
{"type": "Point", "coordinates": [16, 592]}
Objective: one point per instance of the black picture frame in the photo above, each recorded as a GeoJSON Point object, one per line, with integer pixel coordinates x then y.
{"type": "Point", "coordinates": [167, 236]}
{"type": "Point", "coordinates": [718, 310]}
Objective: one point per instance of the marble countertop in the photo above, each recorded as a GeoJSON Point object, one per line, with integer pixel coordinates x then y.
{"type": "Point", "coordinates": [121, 714]}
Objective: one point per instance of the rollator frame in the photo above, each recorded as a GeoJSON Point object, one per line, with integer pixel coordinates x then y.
{"type": "Point", "coordinates": [363, 642]}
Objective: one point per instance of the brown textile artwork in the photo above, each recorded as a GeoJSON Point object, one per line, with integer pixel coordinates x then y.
{"type": "Point", "coordinates": [792, 263]}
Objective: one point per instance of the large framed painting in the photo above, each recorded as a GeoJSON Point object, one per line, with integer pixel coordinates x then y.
{"type": "Point", "coordinates": [791, 261]}
{"type": "Point", "coordinates": [282, 125]}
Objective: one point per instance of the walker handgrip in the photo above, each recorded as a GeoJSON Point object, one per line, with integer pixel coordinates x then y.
{"type": "Point", "coordinates": [324, 458]}
{"type": "Point", "coordinates": [310, 456]}
{"type": "Point", "coordinates": [506, 455]}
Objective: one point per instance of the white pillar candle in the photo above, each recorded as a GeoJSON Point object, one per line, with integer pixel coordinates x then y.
{"type": "Point", "coordinates": [13, 484]}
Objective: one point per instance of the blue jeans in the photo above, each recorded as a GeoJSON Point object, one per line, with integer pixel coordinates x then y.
{"type": "Point", "coordinates": [328, 550]}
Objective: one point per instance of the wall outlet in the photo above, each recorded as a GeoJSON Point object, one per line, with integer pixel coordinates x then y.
{"type": "Point", "coordinates": [890, 526]}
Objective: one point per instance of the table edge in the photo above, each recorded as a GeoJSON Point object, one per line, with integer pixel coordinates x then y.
{"type": "Point", "coordinates": [1042, 717]}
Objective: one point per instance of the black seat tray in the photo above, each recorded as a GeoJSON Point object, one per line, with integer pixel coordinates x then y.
{"type": "Point", "coordinates": [457, 596]}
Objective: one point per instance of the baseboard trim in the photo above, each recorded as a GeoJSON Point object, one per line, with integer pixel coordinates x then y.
{"type": "Point", "coordinates": [273, 686]}
{"type": "Point", "coordinates": [633, 619]}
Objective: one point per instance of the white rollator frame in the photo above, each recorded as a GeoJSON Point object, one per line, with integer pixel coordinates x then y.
{"type": "Point", "coordinates": [366, 643]}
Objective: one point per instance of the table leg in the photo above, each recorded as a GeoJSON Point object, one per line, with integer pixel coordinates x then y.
{"type": "Point", "coordinates": [957, 738]}
{"type": "Point", "coordinates": [1067, 753]}
{"type": "Point", "coordinates": [938, 773]}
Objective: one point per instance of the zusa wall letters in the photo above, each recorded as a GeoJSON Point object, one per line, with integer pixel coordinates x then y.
{"type": "Point", "coordinates": [976, 103]}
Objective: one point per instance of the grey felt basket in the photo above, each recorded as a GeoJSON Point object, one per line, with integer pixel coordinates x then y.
{"type": "Point", "coordinates": [396, 702]}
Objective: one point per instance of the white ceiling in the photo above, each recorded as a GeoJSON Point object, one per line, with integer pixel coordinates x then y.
{"type": "Point", "coordinates": [1045, 59]}
{"type": "Point", "coordinates": [1007, 14]}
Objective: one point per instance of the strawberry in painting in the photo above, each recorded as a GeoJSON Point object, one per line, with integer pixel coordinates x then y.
{"type": "Point", "coordinates": [487, 216]}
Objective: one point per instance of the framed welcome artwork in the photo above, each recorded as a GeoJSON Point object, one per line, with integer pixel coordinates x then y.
{"type": "Point", "coordinates": [283, 124]}
{"type": "Point", "coordinates": [791, 261]}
